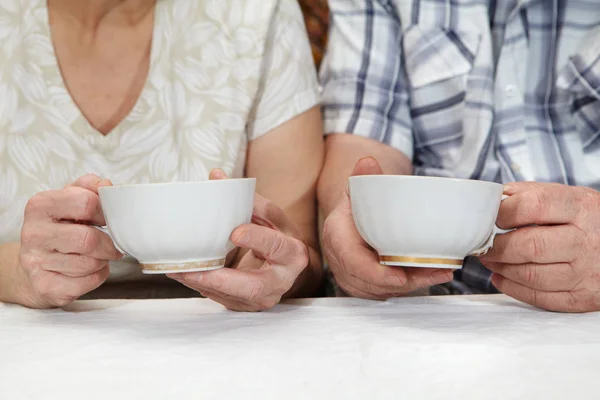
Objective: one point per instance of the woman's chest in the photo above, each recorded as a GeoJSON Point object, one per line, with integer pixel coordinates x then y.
{"type": "Point", "coordinates": [190, 117]}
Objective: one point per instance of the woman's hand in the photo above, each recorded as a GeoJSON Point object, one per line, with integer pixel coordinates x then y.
{"type": "Point", "coordinates": [275, 258]}
{"type": "Point", "coordinates": [61, 257]}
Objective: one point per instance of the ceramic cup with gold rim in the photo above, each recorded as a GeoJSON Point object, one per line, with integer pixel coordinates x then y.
{"type": "Point", "coordinates": [414, 221]}
{"type": "Point", "coordinates": [177, 227]}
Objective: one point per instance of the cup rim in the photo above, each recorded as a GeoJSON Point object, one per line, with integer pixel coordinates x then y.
{"type": "Point", "coordinates": [422, 177]}
{"type": "Point", "coordinates": [182, 183]}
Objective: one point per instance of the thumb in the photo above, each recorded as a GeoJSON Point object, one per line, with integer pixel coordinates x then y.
{"type": "Point", "coordinates": [367, 166]}
{"type": "Point", "coordinates": [217, 174]}
{"type": "Point", "coordinates": [91, 182]}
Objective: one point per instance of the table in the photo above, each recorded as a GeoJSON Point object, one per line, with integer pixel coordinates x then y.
{"type": "Point", "coordinates": [479, 347]}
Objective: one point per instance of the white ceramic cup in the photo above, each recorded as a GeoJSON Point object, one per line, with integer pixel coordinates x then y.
{"type": "Point", "coordinates": [177, 227]}
{"type": "Point", "coordinates": [415, 221]}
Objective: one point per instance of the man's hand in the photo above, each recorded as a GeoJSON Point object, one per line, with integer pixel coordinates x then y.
{"type": "Point", "coordinates": [553, 260]}
{"type": "Point", "coordinates": [355, 264]}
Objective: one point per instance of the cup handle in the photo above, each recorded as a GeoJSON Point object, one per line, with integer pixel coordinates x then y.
{"type": "Point", "coordinates": [489, 243]}
{"type": "Point", "coordinates": [104, 229]}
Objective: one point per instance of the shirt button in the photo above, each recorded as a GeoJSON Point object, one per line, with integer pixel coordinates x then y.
{"type": "Point", "coordinates": [511, 90]}
{"type": "Point", "coordinates": [515, 167]}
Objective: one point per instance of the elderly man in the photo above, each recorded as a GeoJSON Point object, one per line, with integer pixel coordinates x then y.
{"type": "Point", "coordinates": [504, 91]}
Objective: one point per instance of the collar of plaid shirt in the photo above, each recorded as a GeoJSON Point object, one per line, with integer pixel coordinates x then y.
{"type": "Point", "coordinates": [485, 89]}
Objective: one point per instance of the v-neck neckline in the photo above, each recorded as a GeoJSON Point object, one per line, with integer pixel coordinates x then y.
{"type": "Point", "coordinates": [56, 71]}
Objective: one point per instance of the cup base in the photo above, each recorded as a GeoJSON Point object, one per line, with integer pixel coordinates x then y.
{"type": "Point", "coordinates": [421, 262]}
{"type": "Point", "coordinates": [175, 268]}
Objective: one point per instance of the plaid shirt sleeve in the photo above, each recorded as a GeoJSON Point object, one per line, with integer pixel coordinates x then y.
{"type": "Point", "coordinates": [364, 83]}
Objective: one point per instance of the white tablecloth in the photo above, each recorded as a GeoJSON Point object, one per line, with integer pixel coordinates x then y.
{"type": "Point", "coordinates": [477, 347]}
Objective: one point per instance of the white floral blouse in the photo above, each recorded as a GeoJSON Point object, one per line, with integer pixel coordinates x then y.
{"type": "Point", "coordinates": [223, 72]}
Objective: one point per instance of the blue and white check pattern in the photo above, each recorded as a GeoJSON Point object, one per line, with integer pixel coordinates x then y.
{"type": "Point", "coordinates": [482, 89]}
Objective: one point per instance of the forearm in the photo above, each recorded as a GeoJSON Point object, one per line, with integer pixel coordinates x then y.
{"type": "Point", "coordinates": [10, 280]}
{"type": "Point", "coordinates": [287, 163]}
{"type": "Point", "coordinates": [309, 281]}
{"type": "Point", "coordinates": [342, 151]}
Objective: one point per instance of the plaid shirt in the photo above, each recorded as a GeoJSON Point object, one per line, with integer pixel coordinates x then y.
{"type": "Point", "coordinates": [481, 89]}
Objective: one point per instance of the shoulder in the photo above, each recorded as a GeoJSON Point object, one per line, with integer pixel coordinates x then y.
{"type": "Point", "coordinates": [229, 14]}
{"type": "Point", "coordinates": [232, 28]}
{"type": "Point", "coordinates": [22, 12]}
{"type": "Point", "coordinates": [23, 29]}
{"type": "Point", "coordinates": [231, 17]}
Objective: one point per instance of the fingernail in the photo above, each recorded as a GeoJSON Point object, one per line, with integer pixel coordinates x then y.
{"type": "Point", "coordinates": [497, 280]}
{"type": "Point", "coordinates": [396, 280]}
{"type": "Point", "coordinates": [220, 174]}
{"type": "Point", "coordinates": [177, 277]}
{"type": "Point", "coordinates": [366, 158]}
{"type": "Point", "coordinates": [242, 238]}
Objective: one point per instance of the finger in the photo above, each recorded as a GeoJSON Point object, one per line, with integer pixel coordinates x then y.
{"type": "Point", "coordinates": [361, 294]}
{"type": "Point", "coordinates": [417, 278]}
{"type": "Point", "coordinates": [72, 203]}
{"type": "Point", "coordinates": [353, 261]}
{"type": "Point", "coordinates": [540, 245]}
{"type": "Point", "coordinates": [60, 290]}
{"type": "Point", "coordinates": [226, 301]}
{"type": "Point", "coordinates": [551, 301]}
{"type": "Point", "coordinates": [248, 286]}
{"type": "Point", "coordinates": [77, 266]}
{"type": "Point", "coordinates": [356, 287]}
{"type": "Point", "coordinates": [361, 269]}
{"type": "Point", "coordinates": [539, 204]}
{"type": "Point", "coordinates": [272, 245]}
{"type": "Point", "coordinates": [237, 306]}
{"type": "Point", "coordinates": [266, 213]}
{"type": "Point", "coordinates": [71, 265]}
{"type": "Point", "coordinates": [233, 304]}
{"type": "Point", "coordinates": [413, 279]}
{"type": "Point", "coordinates": [367, 166]}
{"type": "Point", "coordinates": [544, 277]}
{"type": "Point", "coordinates": [91, 182]}
{"type": "Point", "coordinates": [217, 174]}
{"type": "Point", "coordinates": [513, 188]}
{"type": "Point", "coordinates": [83, 240]}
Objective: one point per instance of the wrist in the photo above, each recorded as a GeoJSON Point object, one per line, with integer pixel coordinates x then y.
{"type": "Point", "coordinates": [310, 279]}
{"type": "Point", "coordinates": [11, 279]}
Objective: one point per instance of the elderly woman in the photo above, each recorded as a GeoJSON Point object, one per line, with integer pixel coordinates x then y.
{"type": "Point", "coordinates": [102, 92]}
